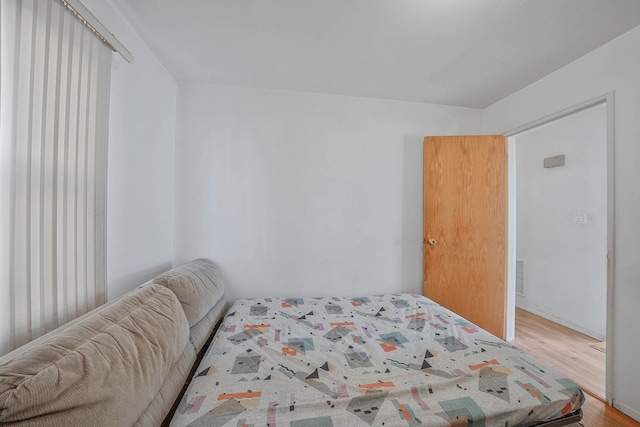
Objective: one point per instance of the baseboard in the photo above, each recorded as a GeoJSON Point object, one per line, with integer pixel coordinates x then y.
{"type": "Point", "coordinates": [562, 322]}
{"type": "Point", "coordinates": [627, 410]}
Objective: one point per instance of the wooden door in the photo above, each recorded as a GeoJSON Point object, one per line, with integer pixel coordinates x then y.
{"type": "Point", "coordinates": [465, 227]}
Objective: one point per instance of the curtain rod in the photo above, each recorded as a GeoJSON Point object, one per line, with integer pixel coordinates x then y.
{"type": "Point", "coordinates": [91, 22]}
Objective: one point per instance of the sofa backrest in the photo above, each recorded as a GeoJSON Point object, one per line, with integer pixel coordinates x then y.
{"type": "Point", "coordinates": [104, 370]}
{"type": "Point", "coordinates": [197, 285]}
{"type": "Point", "coordinates": [200, 290]}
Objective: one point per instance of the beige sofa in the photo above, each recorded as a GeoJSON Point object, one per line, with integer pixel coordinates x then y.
{"type": "Point", "coordinates": [122, 364]}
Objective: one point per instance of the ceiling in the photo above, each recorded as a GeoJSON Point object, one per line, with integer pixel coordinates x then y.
{"type": "Point", "coordinates": [468, 53]}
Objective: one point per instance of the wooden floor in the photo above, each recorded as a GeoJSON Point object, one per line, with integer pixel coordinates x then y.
{"type": "Point", "coordinates": [570, 352]}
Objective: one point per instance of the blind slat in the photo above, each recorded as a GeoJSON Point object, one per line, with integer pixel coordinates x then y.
{"type": "Point", "coordinates": [38, 102]}
{"type": "Point", "coordinates": [49, 253]}
{"type": "Point", "coordinates": [21, 229]}
{"type": "Point", "coordinates": [90, 185]}
{"type": "Point", "coordinates": [63, 148]}
{"type": "Point", "coordinates": [9, 33]}
{"type": "Point", "coordinates": [81, 178]}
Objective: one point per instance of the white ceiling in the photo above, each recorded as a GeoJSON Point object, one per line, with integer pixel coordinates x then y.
{"type": "Point", "coordinates": [468, 53]}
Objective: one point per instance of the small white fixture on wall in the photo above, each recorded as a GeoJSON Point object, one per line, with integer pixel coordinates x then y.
{"type": "Point", "coordinates": [554, 161]}
{"type": "Point", "coordinates": [580, 218]}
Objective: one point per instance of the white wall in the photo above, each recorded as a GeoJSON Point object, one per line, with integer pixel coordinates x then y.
{"type": "Point", "coordinates": [566, 262]}
{"type": "Point", "coordinates": [141, 167]}
{"type": "Point", "coordinates": [613, 67]}
{"type": "Point", "coordinates": [304, 194]}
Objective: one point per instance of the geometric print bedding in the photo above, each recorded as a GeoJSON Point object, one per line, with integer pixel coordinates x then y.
{"type": "Point", "coordinates": [384, 360]}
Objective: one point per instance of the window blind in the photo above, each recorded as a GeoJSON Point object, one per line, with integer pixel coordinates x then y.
{"type": "Point", "coordinates": [54, 99]}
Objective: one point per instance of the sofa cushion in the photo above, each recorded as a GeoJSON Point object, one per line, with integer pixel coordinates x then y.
{"type": "Point", "coordinates": [161, 405]}
{"type": "Point", "coordinates": [104, 370]}
{"type": "Point", "coordinates": [198, 286]}
{"type": "Point", "coordinates": [201, 331]}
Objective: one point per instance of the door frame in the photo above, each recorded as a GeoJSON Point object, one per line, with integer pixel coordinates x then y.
{"type": "Point", "coordinates": [608, 100]}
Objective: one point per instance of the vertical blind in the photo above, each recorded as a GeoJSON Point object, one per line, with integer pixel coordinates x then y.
{"type": "Point", "coordinates": [54, 99]}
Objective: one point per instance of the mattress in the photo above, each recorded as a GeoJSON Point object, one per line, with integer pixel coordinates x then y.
{"type": "Point", "coordinates": [385, 360]}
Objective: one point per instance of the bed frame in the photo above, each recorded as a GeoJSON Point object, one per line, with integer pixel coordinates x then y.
{"type": "Point", "coordinates": [574, 417]}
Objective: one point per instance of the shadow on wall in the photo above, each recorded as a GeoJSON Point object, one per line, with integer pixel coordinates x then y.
{"type": "Point", "coordinates": [124, 284]}
{"type": "Point", "coordinates": [412, 208]}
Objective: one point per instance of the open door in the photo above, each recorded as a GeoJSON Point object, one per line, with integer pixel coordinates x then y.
{"type": "Point", "coordinates": [465, 227]}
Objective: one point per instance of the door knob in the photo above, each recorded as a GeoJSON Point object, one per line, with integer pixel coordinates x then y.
{"type": "Point", "coordinates": [431, 242]}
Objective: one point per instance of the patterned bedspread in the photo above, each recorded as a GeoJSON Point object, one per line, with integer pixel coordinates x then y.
{"type": "Point", "coordinates": [389, 360]}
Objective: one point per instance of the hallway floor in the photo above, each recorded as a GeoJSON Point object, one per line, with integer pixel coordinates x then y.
{"type": "Point", "coordinates": [573, 354]}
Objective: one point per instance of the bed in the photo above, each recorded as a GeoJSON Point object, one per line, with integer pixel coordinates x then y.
{"type": "Point", "coordinates": [386, 360]}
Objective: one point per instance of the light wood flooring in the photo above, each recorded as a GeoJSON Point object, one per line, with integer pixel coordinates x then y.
{"type": "Point", "coordinates": [571, 353]}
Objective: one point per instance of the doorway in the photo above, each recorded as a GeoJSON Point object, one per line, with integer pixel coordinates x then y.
{"type": "Point", "coordinates": [561, 227]}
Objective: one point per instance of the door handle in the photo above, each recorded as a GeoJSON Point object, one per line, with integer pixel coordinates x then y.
{"type": "Point", "coordinates": [431, 242]}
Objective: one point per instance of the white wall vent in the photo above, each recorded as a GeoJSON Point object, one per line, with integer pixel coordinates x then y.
{"type": "Point", "coordinates": [520, 278]}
